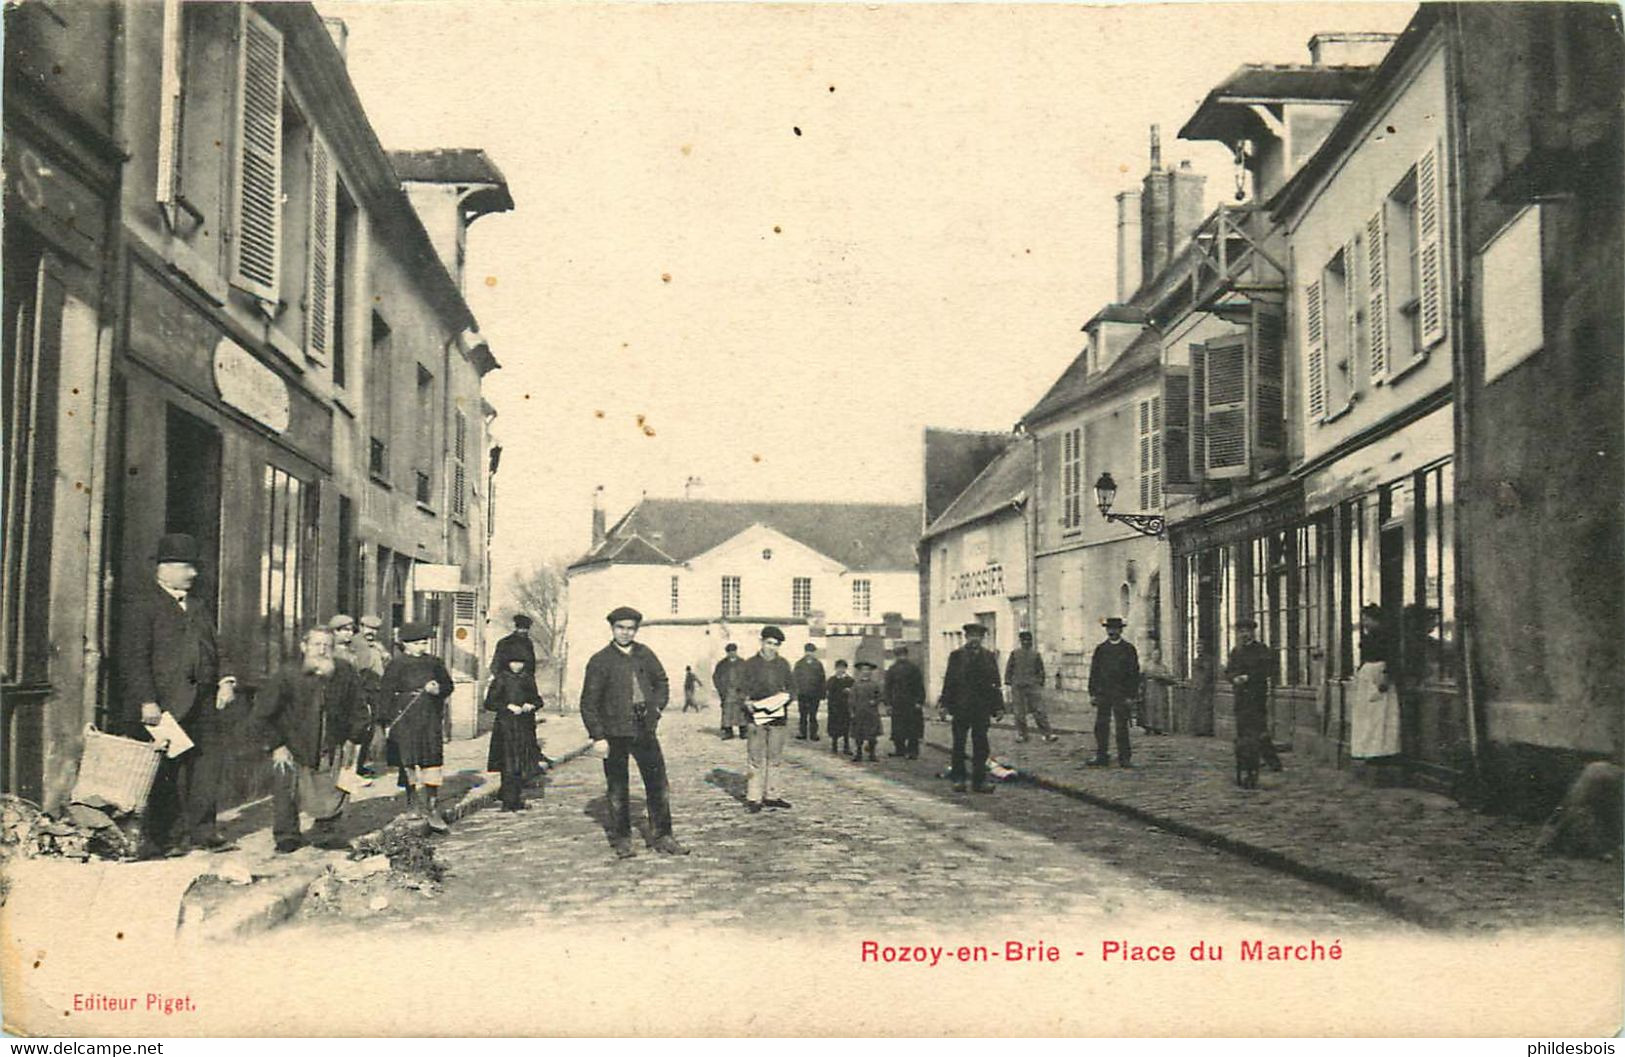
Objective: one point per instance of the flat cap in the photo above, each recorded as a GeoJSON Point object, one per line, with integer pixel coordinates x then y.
{"type": "Point", "coordinates": [341, 620]}
{"type": "Point", "coordinates": [773, 633]}
{"type": "Point", "coordinates": [974, 629]}
{"type": "Point", "coordinates": [414, 631]}
{"type": "Point", "coordinates": [620, 613]}
{"type": "Point", "coordinates": [522, 621]}
{"type": "Point", "coordinates": [370, 621]}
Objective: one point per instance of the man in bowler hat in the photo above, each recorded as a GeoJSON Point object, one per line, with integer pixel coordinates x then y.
{"type": "Point", "coordinates": [1251, 669]}
{"type": "Point", "coordinates": [170, 661]}
{"type": "Point", "coordinates": [971, 694]}
{"type": "Point", "coordinates": [623, 693]}
{"type": "Point", "coordinates": [1114, 683]}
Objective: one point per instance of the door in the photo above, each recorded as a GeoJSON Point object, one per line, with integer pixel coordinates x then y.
{"type": "Point", "coordinates": [192, 493]}
{"type": "Point", "coordinates": [1391, 585]}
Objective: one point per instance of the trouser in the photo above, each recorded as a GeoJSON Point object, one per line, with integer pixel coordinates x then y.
{"type": "Point", "coordinates": [1025, 699]}
{"type": "Point", "coordinates": [690, 702]}
{"type": "Point", "coordinates": [1253, 721]}
{"type": "Point", "coordinates": [807, 713]}
{"type": "Point", "coordinates": [764, 748]}
{"type": "Point", "coordinates": [976, 727]}
{"type": "Point", "coordinates": [186, 791]}
{"type": "Point", "coordinates": [907, 724]}
{"type": "Point", "coordinates": [1106, 709]}
{"type": "Point", "coordinates": [299, 788]}
{"type": "Point", "coordinates": [645, 748]}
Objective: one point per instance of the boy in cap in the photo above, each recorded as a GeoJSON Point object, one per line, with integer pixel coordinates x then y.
{"type": "Point", "coordinates": [1114, 684]}
{"type": "Point", "coordinates": [414, 692]}
{"type": "Point", "coordinates": [839, 689]}
{"type": "Point", "coordinates": [623, 693]}
{"type": "Point", "coordinates": [866, 696]}
{"type": "Point", "coordinates": [768, 688]}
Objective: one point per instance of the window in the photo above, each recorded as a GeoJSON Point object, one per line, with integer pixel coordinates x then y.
{"type": "Point", "coordinates": [380, 398]}
{"type": "Point", "coordinates": [676, 597]}
{"type": "Point", "coordinates": [33, 323]}
{"type": "Point", "coordinates": [1330, 324]}
{"type": "Point", "coordinates": [1514, 309]}
{"type": "Point", "coordinates": [256, 213]}
{"type": "Point", "coordinates": [287, 563]}
{"type": "Point", "coordinates": [801, 596]}
{"type": "Point", "coordinates": [1430, 620]}
{"type": "Point", "coordinates": [1405, 271]}
{"type": "Point", "coordinates": [344, 233]}
{"type": "Point", "coordinates": [731, 600]}
{"type": "Point", "coordinates": [425, 435]}
{"type": "Point", "coordinates": [1072, 479]}
{"type": "Point", "coordinates": [1151, 454]}
{"type": "Point", "coordinates": [860, 598]}
{"type": "Point", "coordinates": [1350, 572]}
{"type": "Point", "coordinates": [348, 593]}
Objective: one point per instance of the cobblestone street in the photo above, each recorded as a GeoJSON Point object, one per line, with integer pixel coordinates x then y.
{"type": "Point", "coordinates": [882, 843]}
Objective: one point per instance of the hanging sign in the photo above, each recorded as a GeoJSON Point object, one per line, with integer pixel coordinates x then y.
{"type": "Point", "coordinates": [251, 387]}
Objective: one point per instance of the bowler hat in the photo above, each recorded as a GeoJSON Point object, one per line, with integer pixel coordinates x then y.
{"type": "Point", "coordinates": [177, 547]}
{"type": "Point", "coordinates": [1113, 622]}
{"type": "Point", "coordinates": [974, 629]}
{"type": "Point", "coordinates": [1246, 622]}
{"type": "Point", "coordinates": [620, 613]}
{"type": "Point", "coordinates": [773, 633]}
{"type": "Point", "coordinates": [522, 621]}
{"type": "Point", "coordinates": [414, 632]}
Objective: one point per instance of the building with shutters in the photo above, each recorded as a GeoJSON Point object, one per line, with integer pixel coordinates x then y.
{"type": "Point", "coordinates": [705, 573]}
{"type": "Point", "coordinates": [285, 366]}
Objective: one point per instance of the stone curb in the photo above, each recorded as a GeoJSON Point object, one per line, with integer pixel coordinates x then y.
{"type": "Point", "coordinates": [1349, 884]}
{"type": "Point", "coordinates": [263, 908]}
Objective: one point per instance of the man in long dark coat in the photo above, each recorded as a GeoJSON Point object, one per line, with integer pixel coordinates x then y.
{"type": "Point", "coordinates": [971, 695]}
{"type": "Point", "coordinates": [623, 693]}
{"type": "Point", "coordinates": [809, 673]}
{"type": "Point", "coordinates": [728, 677]}
{"type": "Point", "coordinates": [1251, 669]}
{"type": "Point", "coordinates": [905, 697]}
{"type": "Point", "coordinates": [170, 661]}
{"type": "Point", "coordinates": [303, 717]}
{"type": "Point", "coordinates": [1114, 684]}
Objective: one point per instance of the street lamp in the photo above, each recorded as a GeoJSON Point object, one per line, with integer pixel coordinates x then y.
{"type": "Point", "coordinates": [1144, 524]}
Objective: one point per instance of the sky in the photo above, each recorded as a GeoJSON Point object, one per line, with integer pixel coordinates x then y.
{"type": "Point", "coordinates": [766, 246]}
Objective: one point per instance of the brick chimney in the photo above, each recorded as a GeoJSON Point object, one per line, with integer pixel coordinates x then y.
{"type": "Point", "coordinates": [1130, 248]}
{"type": "Point", "coordinates": [1170, 209]}
{"type": "Point", "coordinates": [694, 488]}
{"type": "Point", "coordinates": [598, 515]}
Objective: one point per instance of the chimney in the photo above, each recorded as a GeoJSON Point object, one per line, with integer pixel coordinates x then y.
{"type": "Point", "coordinates": [693, 488]}
{"type": "Point", "coordinates": [340, 34]}
{"type": "Point", "coordinates": [1170, 210]}
{"type": "Point", "coordinates": [598, 515]}
{"type": "Point", "coordinates": [1129, 249]}
{"type": "Point", "coordinates": [1349, 49]}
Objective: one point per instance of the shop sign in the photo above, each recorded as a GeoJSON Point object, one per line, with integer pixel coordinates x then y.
{"type": "Point", "coordinates": [986, 582]}
{"type": "Point", "coordinates": [428, 576]}
{"type": "Point", "coordinates": [251, 387]}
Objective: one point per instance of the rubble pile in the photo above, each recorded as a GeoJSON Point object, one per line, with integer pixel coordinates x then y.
{"type": "Point", "coordinates": [81, 831]}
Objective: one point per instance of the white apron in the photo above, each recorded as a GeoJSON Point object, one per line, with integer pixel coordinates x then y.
{"type": "Point", "coordinates": [1374, 720]}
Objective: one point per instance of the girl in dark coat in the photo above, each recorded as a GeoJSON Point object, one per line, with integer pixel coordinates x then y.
{"type": "Point", "coordinates": [866, 695]}
{"type": "Point", "coordinates": [414, 691]}
{"type": "Point", "coordinates": [514, 753]}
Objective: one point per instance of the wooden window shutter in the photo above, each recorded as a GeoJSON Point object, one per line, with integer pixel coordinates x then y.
{"type": "Point", "coordinates": [256, 213]}
{"type": "Point", "coordinates": [1176, 430]}
{"type": "Point", "coordinates": [1225, 415]}
{"type": "Point", "coordinates": [1155, 500]}
{"type": "Point", "coordinates": [1052, 500]}
{"type": "Point", "coordinates": [460, 438]}
{"type": "Point", "coordinates": [169, 106]}
{"type": "Point", "coordinates": [1376, 284]}
{"type": "Point", "coordinates": [1314, 326]}
{"type": "Point", "coordinates": [1145, 454]}
{"type": "Point", "coordinates": [1351, 297]}
{"type": "Point", "coordinates": [1430, 222]}
{"type": "Point", "coordinates": [1198, 417]}
{"type": "Point", "coordinates": [1268, 413]}
{"type": "Point", "coordinates": [319, 280]}
{"type": "Point", "coordinates": [459, 490]}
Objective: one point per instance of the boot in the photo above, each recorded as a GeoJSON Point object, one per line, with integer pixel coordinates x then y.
{"type": "Point", "coordinates": [437, 821]}
{"type": "Point", "coordinates": [414, 805]}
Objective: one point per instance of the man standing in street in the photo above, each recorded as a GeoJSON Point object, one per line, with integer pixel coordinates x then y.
{"type": "Point", "coordinates": [691, 689]}
{"type": "Point", "coordinates": [1024, 675]}
{"type": "Point", "coordinates": [170, 662]}
{"type": "Point", "coordinates": [726, 677]}
{"type": "Point", "coordinates": [303, 717]}
{"type": "Point", "coordinates": [809, 673]}
{"type": "Point", "coordinates": [970, 693]}
{"type": "Point", "coordinates": [1251, 669]}
{"type": "Point", "coordinates": [768, 687]}
{"type": "Point", "coordinates": [1114, 683]}
{"type": "Point", "coordinates": [622, 695]}
{"type": "Point", "coordinates": [905, 697]}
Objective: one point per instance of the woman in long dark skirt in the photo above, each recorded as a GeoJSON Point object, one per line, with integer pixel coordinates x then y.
{"type": "Point", "coordinates": [514, 753]}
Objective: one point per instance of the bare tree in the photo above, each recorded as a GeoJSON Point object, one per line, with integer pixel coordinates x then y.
{"type": "Point", "coordinates": [540, 594]}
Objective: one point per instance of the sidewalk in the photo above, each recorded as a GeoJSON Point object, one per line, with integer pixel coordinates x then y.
{"type": "Point", "coordinates": [1418, 854]}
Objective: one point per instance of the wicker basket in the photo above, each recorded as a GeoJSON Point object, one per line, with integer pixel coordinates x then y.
{"type": "Point", "coordinates": [117, 770]}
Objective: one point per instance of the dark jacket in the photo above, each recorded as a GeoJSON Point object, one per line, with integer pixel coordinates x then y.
{"type": "Point", "coordinates": [970, 687]}
{"type": "Point", "coordinates": [514, 645]}
{"type": "Point", "coordinates": [606, 691]}
{"type": "Point", "coordinates": [905, 686]}
{"type": "Point", "coordinates": [762, 678]}
{"type": "Point", "coordinates": [1257, 662]}
{"type": "Point", "coordinates": [311, 714]}
{"type": "Point", "coordinates": [809, 677]}
{"type": "Point", "coordinates": [1024, 668]}
{"type": "Point", "coordinates": [1114, 672]}
{"type": "Point", "coordinates": [402, 680]}
{"type": "Point", "coordinates": [167, 654]}
{"type": "Point", "coordinates": [725, 676]}
{"type": "Point", "coordinates": [839, 689]}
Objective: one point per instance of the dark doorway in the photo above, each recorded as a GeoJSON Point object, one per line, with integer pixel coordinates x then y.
{"type": "Point", "coordinates": [1391, 574]}
{"type": "Point", "coordinates": [192, 494]}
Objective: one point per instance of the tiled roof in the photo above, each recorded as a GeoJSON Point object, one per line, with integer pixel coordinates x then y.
{"type": "Point", "coordinates": [1117, 313]}
{"type": "Point", "coordinates": [1076, 384]}
{"type": "Point", "coordinates": [953, 458]}
{"type": "Point", "coordinates": [860, 536]}
{"type": "Point", "coordinates": [1222, 114]}
{"type": "Point", "coordinates": [457, 165]}
{"type": "Point", "coordinates": [1002, 483]}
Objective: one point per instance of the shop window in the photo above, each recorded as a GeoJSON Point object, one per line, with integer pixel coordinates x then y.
{"type": "Point", "coordinates": [287, 563]}
{"type": "Point", "coordinates": [1428, 623]}
{"type": "Point", "coordinates": [1350, 573]}
{"type": "Point", "coordinates": [800, 596]}
{"type": "Point", "coordinates": [731, 596]}
{"type": "Point", "coordinates": [860, 598]}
